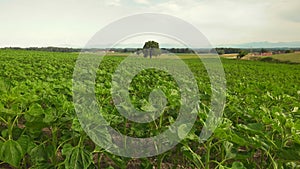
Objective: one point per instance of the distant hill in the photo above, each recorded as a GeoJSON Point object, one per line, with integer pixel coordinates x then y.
{"type": "Point", "coordinates": [264, 44]}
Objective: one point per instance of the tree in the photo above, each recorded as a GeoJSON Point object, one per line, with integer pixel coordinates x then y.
{"type": "Point", "coordinates": [289, 51]}
{"type": "Point", "coordinates": [263, 50]}
{"type": "Point", "coordinates": [220, 51]}
{"type": "Point", "coordinates": [151, 48]}
{"type": "Point", "coordinates": [242, 53]}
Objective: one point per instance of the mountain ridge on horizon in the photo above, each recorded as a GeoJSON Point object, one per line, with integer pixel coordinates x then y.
{"type": "Point", "coordinates": [264, 44]}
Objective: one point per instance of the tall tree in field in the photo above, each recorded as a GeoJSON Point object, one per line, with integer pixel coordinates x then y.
{"type": "Point", "coordinates": [151, 48]}
{"type": "Point", "coordinates": [242, 53]}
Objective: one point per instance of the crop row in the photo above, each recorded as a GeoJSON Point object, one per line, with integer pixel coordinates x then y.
{"type": "Point", "coordinates": [39, 127]}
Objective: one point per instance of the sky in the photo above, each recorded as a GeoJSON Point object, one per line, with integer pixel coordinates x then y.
{"type": "Point", "coordinates": [71, 23]}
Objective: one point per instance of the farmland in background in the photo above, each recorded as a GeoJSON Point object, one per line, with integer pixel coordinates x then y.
{"type": "Point", "coordinates": [291, 57]}
{"type": "Point", "coordinates": [283, 58]}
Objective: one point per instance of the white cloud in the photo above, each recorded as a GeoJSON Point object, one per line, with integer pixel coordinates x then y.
{"type": "Point", "coordinates": [232, 21]}
{"type": "Point", "coordinates": [32, 22]}
{"type": "Point", "coordinates": [113, 2]}
{"type": "Point", "coordinates": [286, 10]}
{"type": "Point", "coordinates": [145, 2]}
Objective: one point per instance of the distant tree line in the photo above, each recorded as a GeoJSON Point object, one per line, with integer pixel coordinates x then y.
{"type": "Point", "coordinates": [220, 51]}
{"type": "Point", "coordinates": [178, 50]}
{"type": "Point", "coordinates": [46, 49]}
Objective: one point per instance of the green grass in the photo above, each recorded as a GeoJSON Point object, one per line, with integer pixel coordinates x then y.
{"type": "Point", "coordinates": [39, 127]}
{"type": "Point", "coordinates": [284, 58]}
{"type": "Point", "coordinates": [292, 57]}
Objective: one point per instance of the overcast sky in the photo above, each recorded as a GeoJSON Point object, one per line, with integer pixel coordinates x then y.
{"type": "Point", "coordinates": [73, 22]}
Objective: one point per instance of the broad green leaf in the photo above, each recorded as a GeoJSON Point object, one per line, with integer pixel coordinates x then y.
{"type": "Point", "coordinates": [76, 126]}
{"type": "Point", "coordinates": [35, 110]}
{"type": "Point", "coordinates": [228, 150]}
{"type": "Point", "coordinates": [238, 139]}
{"type": "Point", "coordinates": [255, 127]}
{"type": "Point", "coordinates": [192, 136]}
{"type": "Point", "coordinates": [192, 156]}
{"type": "Point", "coordinates": [38, 154]}
{"type": "Point", "coordinates": [78, 158]}
{"type": "Point", "coordinates": [35, 114]}
{"type": "Point", "coordinates": [238, 165]}
{"type": "Point", "coordinates": [26, 143]}
{"type": "Point", "coordinates": [66, 150]}
{"type": "Point", "coordinates": [4, 133]}
{"type": "Point", "coordinates": [1, 107]}
{"type": "Point", "coordinates": [49, 117]}
{"type": "Point", "coordinates": [290, 153]}
{"type": "Point", "coordinates": [148, 108]}
{"type": "Point", "coordinates": [11, 152]}
{"type": "Point", "coordinates": [121, 162]}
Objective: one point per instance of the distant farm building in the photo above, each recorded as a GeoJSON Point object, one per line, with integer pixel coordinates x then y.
{"type": "Point", "coordinates": [267, 54]}
{"type": "Point", "coordinates": [262, 54]}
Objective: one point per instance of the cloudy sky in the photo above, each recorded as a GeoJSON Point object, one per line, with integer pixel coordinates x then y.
{"type": "Point", "coordinates": [74, 22]}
